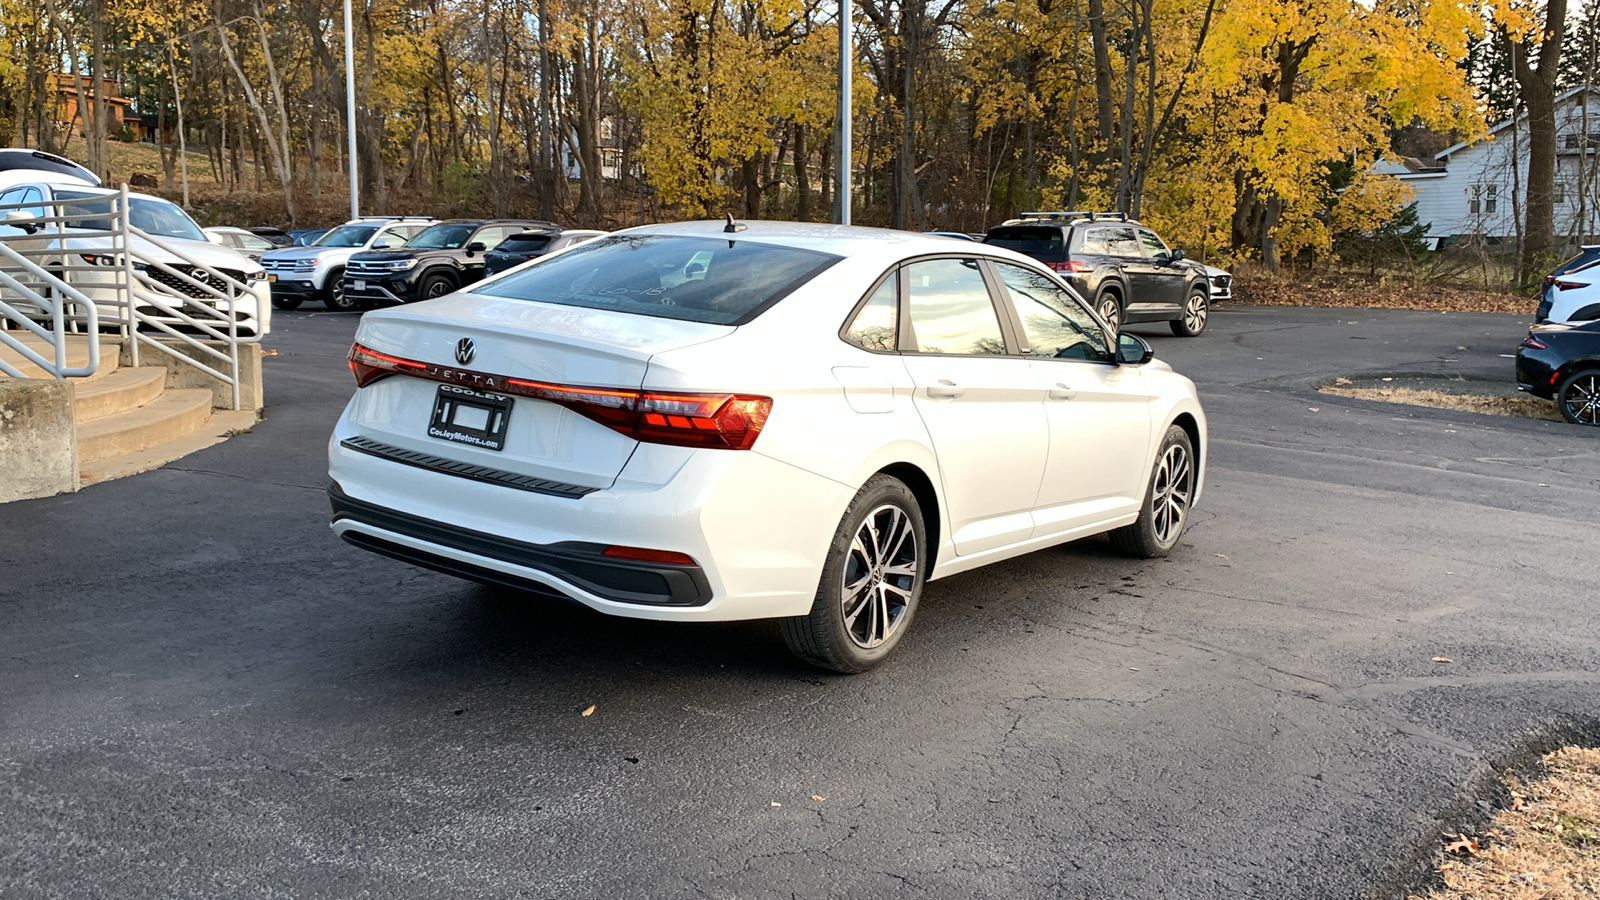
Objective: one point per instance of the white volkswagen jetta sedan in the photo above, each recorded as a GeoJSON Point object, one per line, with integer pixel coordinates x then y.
{"type": "Point", "coordinates": [709, 421]}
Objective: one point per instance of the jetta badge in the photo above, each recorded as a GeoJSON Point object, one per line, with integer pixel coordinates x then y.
{"type": "Point", "coordinates": [465, 351]}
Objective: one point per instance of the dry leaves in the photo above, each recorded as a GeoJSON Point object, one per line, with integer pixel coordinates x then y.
{"type": "Point", "coordinates": [1442, 659]}
{"type": "Point", "coordinates": [588, 712]}
{"type": "Point", "coordinates": [818, 797]}
{"type": "Point", "coordinates": [1344, 289]}
{"type": "Point", "coordinates": [1460, 845]}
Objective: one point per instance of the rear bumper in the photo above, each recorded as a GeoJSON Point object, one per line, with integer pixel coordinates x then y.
{"type": "Point", "coordinates": [1535, 374]}
{"type": "Point", "coordinates": [757, 529]}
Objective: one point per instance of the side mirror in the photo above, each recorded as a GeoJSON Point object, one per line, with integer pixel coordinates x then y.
{"type": "Point", "coordinates": [20, 218]}
{"type": "Point", "coordinates": [475, 247]}
{"type": "Point", "coordinates": [694, 269]}
{"type": "Point", "coordinates": [1177, 255]}
{"type": "Point", "coordinates": [1133, 350]}
{"type": "Point", "coordinates": [381, 245]}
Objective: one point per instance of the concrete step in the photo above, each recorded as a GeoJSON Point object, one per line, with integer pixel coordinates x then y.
{"type": "Point", "coordinates": [77, 354]}
{"type": "Point", "coordinates": [120, 391]}
{"type": "Point", "coordinates": [172, 415]}
{"type": "Point", "coordinates": [224, 423]}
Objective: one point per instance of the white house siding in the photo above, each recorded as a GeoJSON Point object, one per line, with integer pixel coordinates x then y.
{"type": "Point", "coordinates": [1499, 164]}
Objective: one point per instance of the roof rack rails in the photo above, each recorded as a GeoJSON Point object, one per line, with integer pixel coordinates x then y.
{"type": "Point", "coordinates": [1089, 214]}
{"type": "Point", "coordinates": [391, 218]}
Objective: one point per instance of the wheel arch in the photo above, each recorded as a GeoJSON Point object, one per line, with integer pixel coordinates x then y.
{"type": "Point", "coordinates": [1571, 366]}
{"type": "Point", "coordinates": [912, 476]}
{"type": "Point", "coordinates": [1191, 427]}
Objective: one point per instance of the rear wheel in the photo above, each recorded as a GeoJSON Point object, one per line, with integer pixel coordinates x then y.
{"type": "Point", "coordinates": [336, 298]}
{"type": "Point", "coordinates": [1578, 398]}
{"type": "Point", "coordinates": [870, 582]}
{"type": "Point", "coordinates": [1110, 308]}
{"type": "Point", "coordinates": [1195, 312]}
{"type": "Point", "coordinates": [1165, 511]}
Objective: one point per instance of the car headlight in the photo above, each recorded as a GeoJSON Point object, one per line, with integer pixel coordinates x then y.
{"type": "Point", "coordinates": [99, 259]}
{"type": "Point", "coordinates": [253, 277]}
{"type": "Point", "coordinates": [400, 265]}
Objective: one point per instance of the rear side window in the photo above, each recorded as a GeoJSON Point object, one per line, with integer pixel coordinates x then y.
{"type": "Point", "coordinates": [876, 326]}
{"type": "Point", "coordinates": [1035, 241]}
{"type": "Point", "coordinates": [723, 282]}
{"type": "Point", "coordinates": [950, 309]}
{"type": "Point", "coordinates": [1118, 241]}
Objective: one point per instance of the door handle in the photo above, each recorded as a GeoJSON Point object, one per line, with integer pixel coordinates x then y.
{"type": "Point", "coordinates": [1061, 392]}
{"type": "Point", "coordinates": [945, 389]}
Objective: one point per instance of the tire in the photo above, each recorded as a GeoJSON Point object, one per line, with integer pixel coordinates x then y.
{"type": "Point", "coordinates": [334, 296]}
{"type": "Point", "coordinates": [833, 635]}
{"type": "Point", "coordinates": [1578, 397]}
{"type": "Point", "coordinates": [1109, 306]}
{"type": "Point", "coordinates": [434, 286]}
{"type": "Point", "coordinates": [1196, 310]}
{"type": "Point", "coordinates": [286, 303]}
{"type": "Point", "coordinates": [1165, 510]}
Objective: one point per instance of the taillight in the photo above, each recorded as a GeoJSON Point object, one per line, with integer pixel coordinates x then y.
{"type": "Point", "coordinates": [1071, 265]}
{"type": "Point", "coordinates": [369, 365]}
{"type": "Point", "coordinates": [1567, 285]}
{"type": "Point", "coordinates": [1533, 343]}
{"type": "Point", "coordinates": [722, 421]}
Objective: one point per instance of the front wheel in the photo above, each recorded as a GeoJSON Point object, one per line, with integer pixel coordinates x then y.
{"type": "Point", "coordinates": [285, 303]}
{"type": "Point", "coordinates": [1167, 498]}
{"type": "Point", "coordinates": [1578, 398]}
{"type": "Point", "coordinates": [336, 297]}
{"type": "Point", "coordinates": [1195, 313]}
{"type": "Point", "coordinates": [435, 286]}
{"type": "Point", "coordinates": [870, 583]}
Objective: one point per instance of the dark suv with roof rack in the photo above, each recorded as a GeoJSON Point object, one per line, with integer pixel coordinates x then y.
{"type": "Point", "coordinates": [443, 257]}
{"type": "Point", "coordinates": [1122, 267]}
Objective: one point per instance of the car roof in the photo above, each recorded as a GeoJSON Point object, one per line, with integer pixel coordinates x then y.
{"type": "Point", "coordinates": [839, 240]}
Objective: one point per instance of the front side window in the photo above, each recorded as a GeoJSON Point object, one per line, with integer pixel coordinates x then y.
{"type": "Point", "coordinates": [1053, 321]}
{"type": "Point", "coordinates": [876, 326]}
{"type": "Point", "coordinates": [1153, 247]}
{"type": "Point", "coordinates": [950, 309]}
{"type": "Point", "coordinates": [724, 282]}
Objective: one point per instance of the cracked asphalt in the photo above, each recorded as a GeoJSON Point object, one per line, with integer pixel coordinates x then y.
{"type": "Point", "coordinates": [204, 694]}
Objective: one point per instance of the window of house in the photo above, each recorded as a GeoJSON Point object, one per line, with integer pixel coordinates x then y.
{"type": "Point", "coordinates": [1558, 192]}
{"type": "Point", "coordinates": [1482, 199]}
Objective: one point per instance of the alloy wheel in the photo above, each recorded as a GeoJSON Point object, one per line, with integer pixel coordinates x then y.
{"type": "Point", "coordinates": [880, 572]}
{"type": "Point", "coordinates": [1111, 312]}
{"type": "Point", "coordinates": [1172, 488]}
{"type": "Point", "coordinates": [1194, 313]}
{"type": "Point", "coordinates": [1580, 399]}
{"type": "Point", "coordinates": [437, 289]}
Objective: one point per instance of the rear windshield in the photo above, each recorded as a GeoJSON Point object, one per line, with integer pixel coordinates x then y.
{"type": "Point", "coordinates": [722, 282]}
{"type": "Point", "coordinates": [524, 243]}
{"type": "Point", "coordinates": [1032, 241]}
{"type": "Point", "coordinates": [1587, 257]}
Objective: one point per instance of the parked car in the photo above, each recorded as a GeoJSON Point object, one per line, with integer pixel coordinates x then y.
{"type": "Point", "coordinates": [240, 239]}
{"type": "Point", "coordinates": [316, 272]}
{"type": "Point", "coordinates": [276, 236]}
{"type": "Point", "coordinates": [525, 245]}
{"type": "Point", "coordinates": [585, 426]}
{"type": "Point", "coordinates": [20, 165]}
{"type": "Point", "coordinates": [1124, 268]}
{"type": "Point", "coordinates": [446, 256]}
{"type": "Point", "coordinates": [1561, 362]}
{"type": "Point", "coordinates": [1572, 291]}
{"type": "Point", "coordinates": [198, 258]}
{"type": "Point", "coordinates": [305, 237]}
{"type": "Point", "coordinates": [1221, 282]}
{"type": "Point", "coordinates": [958, 235]}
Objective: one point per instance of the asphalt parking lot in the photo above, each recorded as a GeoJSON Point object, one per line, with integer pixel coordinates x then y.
{"type": "Point", "coordinates": [203, 693]}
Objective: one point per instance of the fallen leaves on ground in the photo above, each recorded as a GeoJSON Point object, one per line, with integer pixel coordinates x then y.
{"type": "Point", "coordinates": [1442, 659]}
{"type": "Point", "coordinates": [1545, 844]}
{"type": "Point", "coordinates": [1346, 289]}
{"type": "Point", "coordinates": [588, 712]}
{"type": "Point", "coordinates": [1523, 407]}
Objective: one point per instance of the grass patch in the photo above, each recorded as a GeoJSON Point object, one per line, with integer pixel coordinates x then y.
{"type": "Point", "coordinates": [1546, 844]}
{"type": "Point", "coordinates": [1523, 407]}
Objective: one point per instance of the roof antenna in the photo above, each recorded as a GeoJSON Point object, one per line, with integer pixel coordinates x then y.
{"type": "Point", "coordinates": [733, 227]}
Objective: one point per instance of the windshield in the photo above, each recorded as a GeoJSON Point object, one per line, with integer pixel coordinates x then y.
{"type": "Point", "coordinates": [347, 236]}
{"type": "Point", "coordinates": [723, 282]}
{"type": "Point", "coordinates": [152, 216]}
{"type": "Point", "coordinates": [442, 237]}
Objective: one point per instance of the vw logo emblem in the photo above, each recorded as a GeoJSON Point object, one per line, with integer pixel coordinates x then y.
{"type": "Point", "coordinates": [465, 350]}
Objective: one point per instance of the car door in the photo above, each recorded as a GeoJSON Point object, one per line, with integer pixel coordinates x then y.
{"type": "Point", "coordinates": [1170, 281]}
{"type": "Point", "coordinates": [1098, 412]}
{"type": "Point", "coordinates": [982, 405]}
{"type": "Point", "coordinates": [490, 236]}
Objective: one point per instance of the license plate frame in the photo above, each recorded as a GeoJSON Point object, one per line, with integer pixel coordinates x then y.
{"type": "Point", "coordinates": [457, 412]}
{"type": "Point", "coordinates": [361, 285]}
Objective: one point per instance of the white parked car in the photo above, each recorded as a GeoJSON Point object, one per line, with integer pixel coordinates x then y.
{"type": "Point", "coordinates": [1572, 291]}
{"type": "Point", "coordinates": [700, 421]}
{"type": "Point", "coordinates": [190, 251]}
{"type": "Point", "coordinates": [1221, 283]}
{"type": "Point", "coordinates": [316, 271]}
{"type": "Point", "coordinates": [241, 239]}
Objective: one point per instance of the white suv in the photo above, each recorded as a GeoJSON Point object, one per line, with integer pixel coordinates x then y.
{"type": "Point", "coordinates": [298, 274]}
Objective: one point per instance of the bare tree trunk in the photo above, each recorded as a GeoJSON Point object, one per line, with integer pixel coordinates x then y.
{"type": "Point", "coordinates": [1538, 89]}
{"type": "Point", "coordinates": [1102, 68]}
{"type": "Point", "coordinates": [802, 175]}
{"type": "Point", "coordinates": [280, 155]}
{"type": "Point", "coordinates": [545, 178]}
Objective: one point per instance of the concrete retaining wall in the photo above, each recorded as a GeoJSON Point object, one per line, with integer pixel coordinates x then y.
{"type": "Point", "coordinates": [38, 456]}
{"type": "Point", "coordinates": [181, 375]}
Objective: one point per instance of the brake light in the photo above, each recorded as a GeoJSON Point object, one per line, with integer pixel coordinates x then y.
{"type": "Point", "coordinates": [1533, 343]}
{"type": "Point", "coordinates": [669, 557]}
{"type": "Point", "coordinates": [724, 421]}
{"type": "Point", "coordinates": [1070, 265]}
{"type": "Point", "coordinates": [1567, 285]}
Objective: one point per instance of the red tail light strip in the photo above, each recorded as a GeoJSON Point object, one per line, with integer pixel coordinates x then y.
{"type": "Point", "coordinates": [720, 421]}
